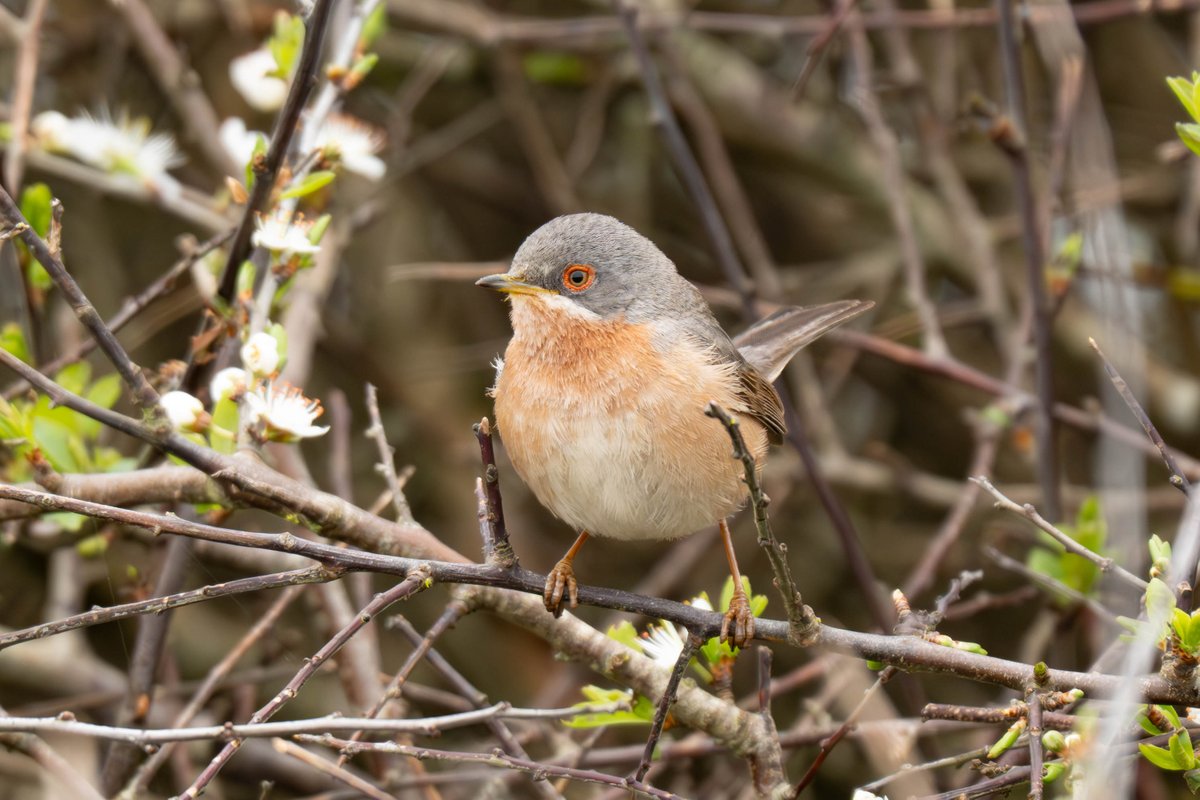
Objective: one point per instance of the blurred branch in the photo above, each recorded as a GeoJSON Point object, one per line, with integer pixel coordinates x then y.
{"type": "Point", "coordinates": [24, 80]}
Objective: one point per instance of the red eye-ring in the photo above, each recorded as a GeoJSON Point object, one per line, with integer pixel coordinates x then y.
{"type": "Point", "coordinates": [578, 277]}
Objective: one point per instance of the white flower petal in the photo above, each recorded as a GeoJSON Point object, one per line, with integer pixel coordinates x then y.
{"type": "Point", "coordinates": [238, 141]}
{"type": "Point", "coordinates": [183, 410]}
{"type": "Point", "coordinates": [229, 382]}
{"type": "Point", "coordinates": [260, 354]}
{"type": "Point", "coordinates": [285, 413]}
{"type": "Point", "coordinates": [249, 75]}
{"type": "Point", "coordinates": [284, 235]}
{"type": "Point", "coordinates": [355, 143]}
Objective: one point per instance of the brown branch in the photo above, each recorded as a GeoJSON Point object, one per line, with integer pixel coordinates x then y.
{"type": "Point", "coordinates": [387, 456]}
{"type": "Point", "coordinates": [690, 645]}
{"type": "Point", "coordinates": [1033, 707]}
{"type": "Point", "coordinates": [326, 767]}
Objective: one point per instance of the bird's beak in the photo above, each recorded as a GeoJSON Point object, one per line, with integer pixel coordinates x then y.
{"type": "Point", "coordinates": [510, 284]}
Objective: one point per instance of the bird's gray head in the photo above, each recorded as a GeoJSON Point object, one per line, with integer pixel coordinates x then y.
{"type": "Point", "coordinates": [599, 264]}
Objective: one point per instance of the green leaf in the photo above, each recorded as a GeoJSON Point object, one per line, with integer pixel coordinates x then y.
{"type": "Point", "coordinates": [245, 279]}
{"type": "Point", "coordinates": [1159, 757]}
{"type": "Point", "coordinates": [106, 391]}
{"type": "Point", "coordinates": [36, 207]}
{"type": "Point", "coordinates": [225, 417]}
{"type": "Point", "coordinates": [625, 633]}
{"type": "Point", "coordinates": [312, 182]}
{"type": "Point", "coordinates": [92, 546]}
{"type": "Point", "coordinates": [1143, 720]}
{"type": "Point", "coordinates": [1172, 715]}
{"type": "Point", "coordinates": [281, 340]}
{"type": "Point", "coordinates": [1052, 771]}
{"type": "Point", "coordinates": [1192, 779]}
{"type": "Point", "coordinates": [1186, 92]}
{"type": "Point", "coordinates": [68, 521]}
{"type": "Point", "coordinates": [12, 340]}
{"type": "Point", "coordinates": [260, 149]}
{"type": "Point", "coordinates": [1160, 603]}
{"type": "Point", "coordinates": [285, 43]}
{"type": "Point", "coordinates": [1181, 750]}
{"type": "Point", "coordinates": [1189, 132]}
{"type": "Point", "coordinates": [74, 377]}
{"type": "Point", "coordinates": [54, 439]}
{"type": "Point", "coordinates": [374, 26]}
{"type": "Point", "coordinates": [317, 231]}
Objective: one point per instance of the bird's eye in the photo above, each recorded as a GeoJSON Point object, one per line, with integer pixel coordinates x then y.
{"type": "Point", "coordinates": [578, 277]}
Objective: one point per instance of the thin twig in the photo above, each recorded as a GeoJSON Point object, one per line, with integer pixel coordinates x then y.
{"type": "Point", "coordinates": [1071, 546]}
{"type": "Point", "coordinates": [508, 742]}
{"type": "Point", "coordinates": [803, 622]}
{"type": "Point", "coordinates": [24, 80]}
{"type": "Point", "coordinates": [386, 465]}
{"type": "Point", "coordinates": [1015, 146]}
{"type": "Point", "coordinates": [498, 549]}
{"type": "Point", "coordinates": [847, 725]}
{"type": "Point", "coordinates": [1177, 479]}
{"type": "Point", "coordinates": [690, 645]}
{"type": "Point", "coordinates": [326, 767]}
{"type": "Point", "coordinates": [685, 161]}
{"type": "Point", "coordinates": [415, 582]}
{"type": "Point", "coordinates": [495, 758]}
{"type": "Point", "coordinates": [157, 605]}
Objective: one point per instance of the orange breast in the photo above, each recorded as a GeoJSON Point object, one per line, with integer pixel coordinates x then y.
{"type": "Point", "coordinates": [607, 426]}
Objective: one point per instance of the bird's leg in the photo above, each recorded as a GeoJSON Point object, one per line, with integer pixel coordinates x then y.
{"type": "Point", "coordinates": [561, 580]}
{"type": "Point", "coordinates": [738, 626]}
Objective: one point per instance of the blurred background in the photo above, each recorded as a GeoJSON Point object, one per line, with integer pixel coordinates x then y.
{"type": "Point", "coordinates": [859, 150]}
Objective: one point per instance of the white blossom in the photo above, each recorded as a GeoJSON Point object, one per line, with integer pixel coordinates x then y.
{"type": "Point", "coordinates": [354, 142]}
{"type": "Point", "coordinates": [863, 794]}
{"type": "Point", "coordinates": [252, 76]}
{"type": "Point", "coordinates": [286, 414]}
{"type": "Point", "coordinates": [183, 410]}
{"type": "Point", "coordinates": [701, 602]}
{"type": "Point", "coordinates": [284, 234]}
{"type": "Point", "coordinates": [124, 145]}
{"type": "Point", "coordinates": [231, 381]}
{"type": "Point", "coordinates": [663, 642]}
{"type": "Point", "coordinates": [238, 141]}
{"type": "Point", "coordinates": [260, 354]}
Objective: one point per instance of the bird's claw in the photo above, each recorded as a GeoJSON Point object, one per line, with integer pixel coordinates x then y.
{"type": "Point", "coordinates": [738, 626]}
{"type": "Point", "coordinates": [560, 585]}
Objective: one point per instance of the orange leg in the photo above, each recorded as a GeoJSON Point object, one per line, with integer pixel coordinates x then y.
{"type": "Point", "coordinates": [739, 617]}
{"type": "Point", "coordinates": [561, 580]}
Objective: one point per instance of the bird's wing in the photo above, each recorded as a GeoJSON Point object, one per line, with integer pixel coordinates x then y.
{"type": "Point", "coordinates": [762, 402]}
{"type": "Point", "coordinates": [770, 343]}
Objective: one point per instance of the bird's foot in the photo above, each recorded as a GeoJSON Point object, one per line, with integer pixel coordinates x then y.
{"type": "Point", "coordinates": [561, 585]}
{"type": "Point", "coordinates": [738, 626]}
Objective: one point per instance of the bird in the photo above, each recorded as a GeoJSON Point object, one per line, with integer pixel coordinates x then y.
{"type": "Point", "coordinates": [601, 392]}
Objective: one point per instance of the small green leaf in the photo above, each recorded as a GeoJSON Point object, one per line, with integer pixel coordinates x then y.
{"type": "Point", "coordinates": [106, 391]}
{"type": "Point", "coordinates": [285, 43]}
{"type": "Point", "coordinates": [1007, 740]}
{"type": "Point", "coordinates": [623, 632]}
{"type": "Point", "coordinates": [12, 340]}
{"type": "Point", "coordinates": [260, 149]}
{"type": "Point", "coordinates": [74, 377]}
{"type": "Point", "coordinates": [317, 231]}
{"type": "Point", "coordinates": [374, 26]}
{"type": "Point", "coordinates": [1159, 757]}
{"type": "Point", "coordinates": [311, 183]}
{"type": "Point", "coordinates": [1185, 91]}
{"type": "Point", "coordinates": [225, 418]}
{"type": "Point", "coordinates": [36, 203]}
{"type": "Point", "coordinates": [54, 439]}
{"type": "Point", "coordinates": [1143, 720]}
{"type": "Point", "coordinates": [245, 279]}
{"type": "Point", "coordinates": [68, 521]}
{"type": "Point", "coordinates": [1192, 779]}
{"type": "Point", "coordinates": [93, 546]}
{"type": "Point", "coordinates": [1172, 715]}
{"type": "Point", "coordinates": [1052, 771]}
{"type": "Point", "coordinates": [1181, 750]}
{"type": "Point", "coordinates": [1189, 132]}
